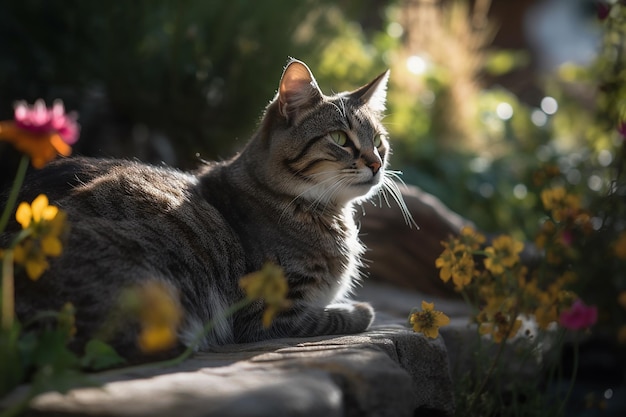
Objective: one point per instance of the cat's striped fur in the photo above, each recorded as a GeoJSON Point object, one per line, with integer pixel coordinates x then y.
{"type": "Point", "coordinates": [287, 198]}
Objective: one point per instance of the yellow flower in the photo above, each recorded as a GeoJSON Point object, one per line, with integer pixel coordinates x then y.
{"type": "Point", "coordinates": [472, 238]}
{"type": "Point", "coordinates": [503, 254]}
{"type": "Point", "coordinates": [561, 204]}
{"type": "Point", "coordinates": [270, 285]}
{"type": "Point", "coordinates": [502, 303]}
{"type": "Point", "coordinates": [463, 271]}
{"type": "Point", "coordinates": [154, 339]}
{"type": "Point", "coordinates": [557, 293]}
{"type": "Point", "coordinates": [508, 249]}
{"type": "Point", "coordinates": [545, 315]}
{"type": "Point", "coordinates": [619, 246]}
{"type": "Point", "coordinates": [492, 262]}
{"type": "Point", "coordinates": [428, 321]}
{"type": "Point", "coordinates": [32, 257]}
{"type": "Point", "coordinates": [159, 314]}
{"type": "Point", "coordinates": [444, 263]}
{"type": "Point", "coordinates": [500, 327]}
{"type": "Point", "coordinates": [456, 262]}
{"type": "Point", "coordinates": [45, 225]}
{"type": "Point", "coordinates": [552, 197]}
{"type": "Point", "coordinates": [35, 213]}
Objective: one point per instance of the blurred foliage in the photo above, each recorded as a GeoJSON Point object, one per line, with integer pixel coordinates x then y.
{"type": "Point", "coordinates": [159, 80]}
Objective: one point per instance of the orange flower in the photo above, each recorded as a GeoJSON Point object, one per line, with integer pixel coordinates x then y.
{"type": "Point", "coordinates": [41, 133]}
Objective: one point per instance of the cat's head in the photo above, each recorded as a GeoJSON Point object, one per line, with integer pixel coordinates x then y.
{"type": "Point", "coordinates": [325, 149]}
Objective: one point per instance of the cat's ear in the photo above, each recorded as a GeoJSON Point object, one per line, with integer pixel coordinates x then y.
{"type": "Point", "coordinates": [374, 94]}
{"type": "Point", "coordinates": [298, 89]}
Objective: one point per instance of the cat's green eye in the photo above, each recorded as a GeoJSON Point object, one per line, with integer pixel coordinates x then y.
{"type": "Point", "coordinates": [339, 137]}
{"type": "Point", "coordinates": [378, 139]}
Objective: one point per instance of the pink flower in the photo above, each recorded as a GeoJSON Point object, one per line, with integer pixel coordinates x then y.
{"type": "Point", "coordinates": [579, 316]}
{"type": "Point", "coordinates": [621, 128]}
{"type": "Point", "coordinates": [567, 237]}
{"type": "Point", "coordinates": [38, 119]}
{"type": "Point", "coordinates": [603, 9]}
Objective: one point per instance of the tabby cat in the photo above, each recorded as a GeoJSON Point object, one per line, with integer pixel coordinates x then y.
{"type": "Point", "coordinates": [288, 197]}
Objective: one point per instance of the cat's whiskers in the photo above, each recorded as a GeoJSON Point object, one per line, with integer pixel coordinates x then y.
{"type": "Point", "coordinates": [390, 184]}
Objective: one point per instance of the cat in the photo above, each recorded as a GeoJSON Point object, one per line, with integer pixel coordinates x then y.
{"type": "Point", "coordinates": [288, 198]}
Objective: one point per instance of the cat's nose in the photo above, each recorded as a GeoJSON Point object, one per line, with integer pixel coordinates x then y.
{"type": "Point", "coordinates": [374, 166]}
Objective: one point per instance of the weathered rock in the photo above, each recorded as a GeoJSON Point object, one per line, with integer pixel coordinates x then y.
{"type": "Point", "coordinates": [388, 371]}
{"type": "Point", "coordinates": [405, 256]}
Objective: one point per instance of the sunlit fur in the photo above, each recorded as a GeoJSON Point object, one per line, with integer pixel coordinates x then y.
{"type": "Point", "coordinates": [288, 198]}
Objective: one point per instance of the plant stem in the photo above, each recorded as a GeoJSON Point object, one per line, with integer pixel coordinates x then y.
{"type": "Point", "coordinates": [7, 313]}
{"type": "Point", "coordinates": [205, 330]}
{"type": "Point", "coordinates": [485, 380]}
{"type": "Point", "coordinates": [192, 346]}
{"type": "Point", "coordinates": [572, 380]}
{"type": "Point", "coordinates": [15, 189]}
{"type": "Point", "coordinates": [8, 290]}
{"type": "Point", "coordinates": [492, 367]}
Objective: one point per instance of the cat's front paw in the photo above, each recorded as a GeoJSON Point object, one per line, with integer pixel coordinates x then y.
{"type": "Point", "coordinates": [339, 318]}
{"type": "Point", "coordinates": [352, 317]}
{"type": "Point", "coordinates": [365, 313]}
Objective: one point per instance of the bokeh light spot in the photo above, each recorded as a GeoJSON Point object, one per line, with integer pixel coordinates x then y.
{"type": "Point", "coordinates": [549, 105]}
{"type": "Point", "coordinates": [416, 65]}
{"type": "Point", "coordinates": [605, 157]}
{"type": "Point", "coordinates": [520, 191]}
{"type": "Point", "coordinates": [504, 111]}
{"type": "Point", "coordinates": [395, 30]}
{"type": "Point", "coordinates": [538, 118]}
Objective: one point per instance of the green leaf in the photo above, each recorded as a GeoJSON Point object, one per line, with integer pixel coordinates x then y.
{"type": "Point", "coordinates": [100, 355]}
{"type": "Point", "coordinates": [12, 371]}
{"type": "Point", "coordinates": [51, 350]}
{"type": "Point", "coordinates": [59, 380]}
{"type": "Point", "coordinates": [504, 61]}
{"type": "Point", "coordinates": [26, 346]}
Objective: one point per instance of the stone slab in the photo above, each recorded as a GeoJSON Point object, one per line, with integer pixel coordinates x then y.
{"type": "Point", "coordinates": [388, 371]}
